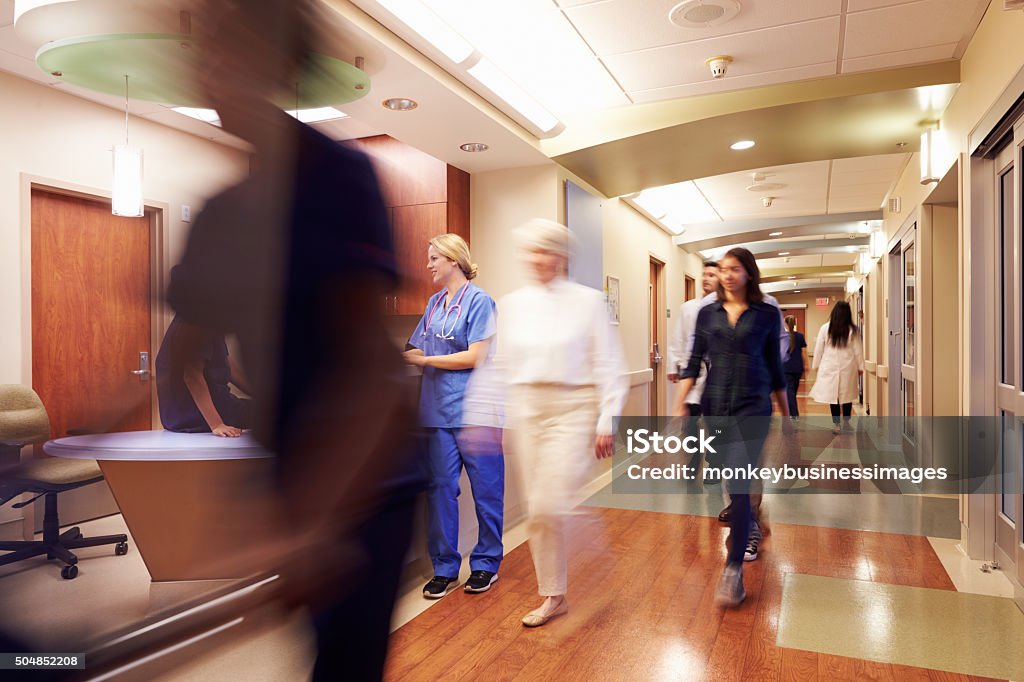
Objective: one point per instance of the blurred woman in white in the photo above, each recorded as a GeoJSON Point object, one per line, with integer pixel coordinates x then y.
{"type": "Point", "coordinates": [839, 360]}
{"type": "Point", "coordinates": [566, 379]}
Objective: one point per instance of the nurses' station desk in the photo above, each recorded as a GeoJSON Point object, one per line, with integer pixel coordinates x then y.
{"type": "Point", "coordinates": [189, 500]}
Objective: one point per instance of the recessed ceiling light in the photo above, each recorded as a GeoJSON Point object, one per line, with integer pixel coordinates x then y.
{"type": "Point", "coordinates": [400, 104]}
{"type": "Point", "coordinates": [783, 253]}
{"type": "Point", "coordinates": [774, 234]}
{"type": "Point", "coordinates": [791, 277]}
{"type": "Point", "coordinates": [742, 144]}
{"type": "Point", "coordinates": [797, 291]}
{"type": "Point", "coordinates": [474, 147]}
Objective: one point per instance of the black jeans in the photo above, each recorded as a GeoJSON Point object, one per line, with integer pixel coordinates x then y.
{"type": "Point", "coordinates": [847, 411]}
{"type": "Point", "coordinates": [792, 383]}
{"type": "Point", "coordinates": [745, 439]}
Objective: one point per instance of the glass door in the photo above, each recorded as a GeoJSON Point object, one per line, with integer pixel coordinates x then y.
{"type": "Point", "coordinates": [908, 368]}
{"type": "Point", "coordinates": [1009, 358]}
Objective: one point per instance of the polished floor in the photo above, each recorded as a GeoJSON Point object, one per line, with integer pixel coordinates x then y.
{"type": "Point", "coordinates": [847, 587]}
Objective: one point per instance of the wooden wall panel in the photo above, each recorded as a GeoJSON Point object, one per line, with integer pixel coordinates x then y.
{"type": "Point", "coordinates": [407, 175]}
{"type": "Point", "coordinates": [414, 227]}
{"type": "Point", "coordinates": [458, 202]}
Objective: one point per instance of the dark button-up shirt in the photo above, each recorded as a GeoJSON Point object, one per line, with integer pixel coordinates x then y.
{"type": "Point", "coordinates": [745, 366]}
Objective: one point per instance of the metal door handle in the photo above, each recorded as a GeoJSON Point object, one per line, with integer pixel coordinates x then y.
{"type": "Point", "coordinates": [143, 371]}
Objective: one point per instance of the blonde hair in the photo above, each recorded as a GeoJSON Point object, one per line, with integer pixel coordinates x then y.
{"type": "Point", "coordinates": [454, 248]}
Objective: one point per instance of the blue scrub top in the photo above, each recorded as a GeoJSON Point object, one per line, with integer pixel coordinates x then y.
{"type": "Point", "coordinates": [443, 390]}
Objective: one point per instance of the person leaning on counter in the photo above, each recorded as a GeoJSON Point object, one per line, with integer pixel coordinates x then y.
{"type": "Point", "coordinates": [193, 387]}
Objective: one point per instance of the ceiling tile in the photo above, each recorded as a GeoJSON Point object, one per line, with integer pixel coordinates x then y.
{"type": "Point", "coordinates": [909, 26]}
{"type": "Point", "coordinates": [619, 26]}
{"type": "Point", "coordinates": [861, 5]}
{"type": "Point", "coordinates": [869, 163]}
{"type": "Point", "coordinates": [920, 55]}
{"type": "Point", "coordinates": [755, 52]}
{"type": "Point", "coordinates": [731, 82]}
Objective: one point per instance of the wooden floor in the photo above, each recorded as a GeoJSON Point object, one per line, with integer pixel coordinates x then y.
{"type": "Point", "coordinates": [641, 599]}
{"type": "Point", "coordinates": [641, 590]}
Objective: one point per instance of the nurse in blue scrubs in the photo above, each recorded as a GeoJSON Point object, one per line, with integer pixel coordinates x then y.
{"type": "Point", "coordinates": [452, 338]}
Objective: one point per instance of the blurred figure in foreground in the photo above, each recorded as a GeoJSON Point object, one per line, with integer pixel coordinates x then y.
{"type": "Point", "coordinates": [566, 379]}
{"type": "Point", "coordinates": [451, 340]}
{"type": "Point", "coordinates": [294, 261]}
{"type": "Point", "coordinates": [740, 335]}
{"type": "Point", "coordinates": [839, 360]}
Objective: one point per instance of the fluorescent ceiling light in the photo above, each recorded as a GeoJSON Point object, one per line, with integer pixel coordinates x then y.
{"type": "Point", "coordinates": [741, 145]}
{"type": "Point", "coordinates": [504, 87]}
{"type": "Point", "coordinates": [535, 44]}
{"type": "Point", "coordinates": [205, 115]}
{"type": "Point", "coordinates": [679, 204]}
{"type": "Point", "coordinates": [783, 253]}
{"type": "Point", "coordinates": [774, 234]}
{"type": "Point", "coordinates": [317, 115]}
{"type": "Point", "coordinates": [431, 27]}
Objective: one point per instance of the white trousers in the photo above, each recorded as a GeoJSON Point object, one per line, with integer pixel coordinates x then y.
{"type": "Point", "coordinates": [553, 428]}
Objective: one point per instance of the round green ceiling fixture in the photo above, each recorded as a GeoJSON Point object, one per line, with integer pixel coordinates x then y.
{"type": "Point", "coordinates": [161, 68]}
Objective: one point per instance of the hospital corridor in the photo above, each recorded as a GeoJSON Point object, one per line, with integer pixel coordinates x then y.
{"type": "Point", "coordinates": [424, 340]}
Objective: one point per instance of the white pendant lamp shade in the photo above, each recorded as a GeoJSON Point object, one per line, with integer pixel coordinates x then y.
{"type": "Point", "coordinates": [127, 190]}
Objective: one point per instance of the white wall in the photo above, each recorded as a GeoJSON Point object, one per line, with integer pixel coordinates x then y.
{"type": "Point", "coordinates": [53, 135]}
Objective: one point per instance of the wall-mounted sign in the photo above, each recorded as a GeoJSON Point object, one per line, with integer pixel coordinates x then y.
{"type": "Point", "coordinates": [821, 302]}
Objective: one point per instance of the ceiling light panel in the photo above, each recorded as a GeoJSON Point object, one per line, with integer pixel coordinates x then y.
{"type": "Point", "coordinates": [681, 203]}
{"type": "Point", "coordinates": [424, 21]}
{"type": "Point", "coordinates": [495, 80]}
{"type": "Point", "coordinates": [534, 43]}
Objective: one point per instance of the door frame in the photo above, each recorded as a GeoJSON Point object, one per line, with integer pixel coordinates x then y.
{"type": "Point", "coordinates": [157, 211]}
{"type": "Point", "coordinates": [657, 306]}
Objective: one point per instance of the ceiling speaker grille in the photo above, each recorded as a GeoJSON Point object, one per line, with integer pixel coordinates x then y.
{"type": "Point", "coordinates": [703, 13]}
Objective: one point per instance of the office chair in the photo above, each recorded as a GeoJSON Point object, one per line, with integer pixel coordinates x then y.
{"type": "Point", "coordinates": [23, 421]}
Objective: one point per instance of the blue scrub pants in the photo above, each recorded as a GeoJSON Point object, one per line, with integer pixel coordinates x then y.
{"type": "Point", "coordinates": [485, 466]}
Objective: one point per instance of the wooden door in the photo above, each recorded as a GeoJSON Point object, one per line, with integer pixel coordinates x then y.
{"type": "Point", "coordinates": [690, 291]}
{"type": "Point", "coordinates": [414, 226]}
{"type": "Point", "coordinates": [90, 321]}
{"type": "Point", "coordinates": [801, 321]}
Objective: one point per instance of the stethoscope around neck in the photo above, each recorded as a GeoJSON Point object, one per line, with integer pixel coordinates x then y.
{"type": "Point", "coordinates": [457, 307]}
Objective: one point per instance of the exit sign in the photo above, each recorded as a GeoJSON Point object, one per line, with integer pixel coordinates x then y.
{"type": "Point", "coordinates": [821, 302]}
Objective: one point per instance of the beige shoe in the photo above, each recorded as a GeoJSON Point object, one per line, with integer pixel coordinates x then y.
{"type": "Point", "coordinates": [534, 619]}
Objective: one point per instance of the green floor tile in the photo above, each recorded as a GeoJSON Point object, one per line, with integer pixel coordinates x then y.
{"type": "Point", "coordinates": [938, 629]}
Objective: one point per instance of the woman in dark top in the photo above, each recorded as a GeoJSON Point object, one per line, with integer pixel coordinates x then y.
{"type": "Point", "coordinates": [739, 335]}
{"type": "Point", "coordinates": [794, 365]}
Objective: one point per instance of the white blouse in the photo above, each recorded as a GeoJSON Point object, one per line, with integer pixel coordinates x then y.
{"type": "Point", "coordinates": [560, 333]}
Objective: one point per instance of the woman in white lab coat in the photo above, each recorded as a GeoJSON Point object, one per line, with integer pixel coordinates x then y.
{"type": "Point", "coordinates": [566, 378]}
{"type": "Point", "coordinates": [839, 360]}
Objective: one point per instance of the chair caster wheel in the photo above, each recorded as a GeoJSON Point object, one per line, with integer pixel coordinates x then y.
{"type": "Point", "coordinates": [121, 548]}
{"type": "Point", "coordinates": [69, 572]}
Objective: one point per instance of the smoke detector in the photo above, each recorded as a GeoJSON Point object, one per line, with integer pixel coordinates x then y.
{"type": "Point", "coordinates": [718, 65]}
{"type": "Point", "coordinates": [767, 201]}
{"type": "Point", "coordinates": [703, 13]}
